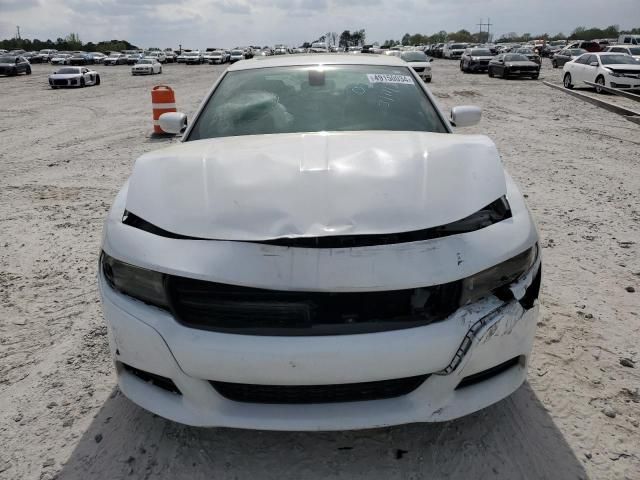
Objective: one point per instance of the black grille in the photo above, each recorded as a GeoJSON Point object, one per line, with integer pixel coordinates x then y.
{"type": "Point", "coordinates": [253, 311]}
{"type": "Point", "coordinates": [60, 82]}
{"type": "Point", "coordinates": [418, 69]}
{"type": "Point", "coordinates": [305, 394]}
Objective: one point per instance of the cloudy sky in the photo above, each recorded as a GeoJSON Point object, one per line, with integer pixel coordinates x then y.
{"type": "Point", "coordinates": [202, 23]}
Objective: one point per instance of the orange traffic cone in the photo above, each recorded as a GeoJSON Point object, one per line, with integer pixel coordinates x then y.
{"type": "Point", "coordinates": [162, 101]}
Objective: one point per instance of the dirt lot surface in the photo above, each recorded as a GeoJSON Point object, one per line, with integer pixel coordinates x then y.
{"type": "Point", "coordinates": [65, 154]}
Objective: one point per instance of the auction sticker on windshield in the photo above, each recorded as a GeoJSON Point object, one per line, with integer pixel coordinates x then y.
{"type": "Point", "coordinates": [389, 78]}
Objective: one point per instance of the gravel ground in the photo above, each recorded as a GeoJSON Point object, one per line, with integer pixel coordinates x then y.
{"type": "Point", "coordinates": [65, 154]}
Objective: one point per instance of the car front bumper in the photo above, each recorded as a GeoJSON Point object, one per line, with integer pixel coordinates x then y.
{"type": "Point", "coordinates": [473, 339]}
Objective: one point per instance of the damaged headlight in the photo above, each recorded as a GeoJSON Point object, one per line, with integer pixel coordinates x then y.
{"type": "Point", "coordinates": [140, 283]}
{"type": "Point", "coordinates": [501, 275]}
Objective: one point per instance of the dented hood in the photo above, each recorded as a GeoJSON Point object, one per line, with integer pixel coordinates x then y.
{"type": "Point", "coordinates": [322, 184]}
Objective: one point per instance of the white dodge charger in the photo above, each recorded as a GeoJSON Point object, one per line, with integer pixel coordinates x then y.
{"type": "Point", "coordinates": [320, 252]}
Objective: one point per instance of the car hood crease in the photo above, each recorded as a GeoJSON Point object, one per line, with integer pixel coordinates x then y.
{"type": "Point", "coordinates": [255, 188]}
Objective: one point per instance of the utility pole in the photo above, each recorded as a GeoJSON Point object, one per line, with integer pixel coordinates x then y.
{"type": "Point", "coordinates": [488, 25]}
{"type": "Point", "coordinates": [18, 32]}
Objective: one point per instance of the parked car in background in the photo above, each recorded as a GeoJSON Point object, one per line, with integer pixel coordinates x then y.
{"type": "Point", "coordinates": [453, 51]}
{"type": "Point", "coordinates": [419, 62]}
{"type": "Point", "coordinates": [218, 57]}
{"type": "Point", "coordinates": [159, 56]}
{"type": "Point", "coordinates": [625, 49]}
{"type": "Point", "coordinates": [35, 57]}
{"type": "Point", "coordinates": [566, 55]}
{"type": "Point", "coordinates": [589, 46]}
{"type": "Point", "coordinates": [530, 53]}
{"type": "Point", "coordinates": [13, 65]}
{"type": "Point", "coordinates": [236, 274]}
{"type": "Point", "coordinates": [81, 58]}
{"type": "Point", "coordinates": [147, 66]}
{"type": "Point", "coordinates": [115, 59]}
{"type": "Point", "coordinates": [193, 58]}
{"type": "Point", "coordinates": [170, 55]}
{"type": "Point", "coordinates": [48, 53]}
{"type": "Point", "coordinates": [61, 59]}
{"type": "Point", "coordinates": [508, 65]}
{"type": "Point", "coordinates": [98, 57]}
{"type": "Point", "coordinates": [74, 77]}
{"type": "Point", "coordinates": [629, 39]}
{"type": "Point", "coordinates": [319, 47]}
{"type": "Point", "coordinates": [475, 60]}
{"type": "Point", "coordinates": [608, 69]}
{"type": "Point", "coordinates": [236, 55]}
{"type": "Point", "coordinates": [133, 58]}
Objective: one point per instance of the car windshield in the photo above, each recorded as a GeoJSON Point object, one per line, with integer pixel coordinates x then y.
{"type": "Point", "coordinates": [315, 99]}
{"type": "Point", "coordinates": [7, 59]}
{"type": "Point", "coordinates": [414, 57]}
{"type": "Point", "coordinates": [191, 54]}
{"type": "Point", "coordinates": [525, 51]}
{"type": "Point", "coordinates": [617, 59]}
{"type": "Point", "coordinates": [237, 52]}
{"type": "Point", "coordinates": [576, 52]}
{"type": "Point", "coordinates": [114, 55]}
{"type": "Point", "coordinates": [515, 57]}
{"type": "Point", "coordinates": [145, 62]}
{"type": "Point", "coordinates": [634, 51]}
{"type": "Point", "coordinates": [481, 52]}
{"type": "Point", "coordinates": [68, 70]}
{"type": "Point", "coordinates": [458, 46]}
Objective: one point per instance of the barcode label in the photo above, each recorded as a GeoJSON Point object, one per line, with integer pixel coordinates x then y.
{"type": "Point", "coordinates": [389, 78]}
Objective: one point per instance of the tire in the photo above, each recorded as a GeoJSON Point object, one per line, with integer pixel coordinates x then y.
{"type": "Point", "coordinates": [14, 72]}
{"type": "Point", "coordinates": [82, 84]}
{"type": "Point", "coordinates": [535, 77]}
{"type": "Point", "coordinates": [461, 67]}
{"type": "Point", "coordinates": [160, 71]}
{"type": "Point", "coordinates": [566, 81]}
{"type": "Point", "coordinates": [554, 64]}
{"type": "Point", "coordinates": [28, 72]}
{"type": "Point", "coordinates": [600, 81]}
{"type": "Point", "coordinates": [428, 80]}
{"type": "Point", "coordinates": [490, 72]}
{"type": "Point", "coordinates": [97, 82]}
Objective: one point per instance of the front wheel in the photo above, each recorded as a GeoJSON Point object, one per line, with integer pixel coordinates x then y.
{"type": "Point", "coordinates": [567, 81]}
{"type": "Point", "coordinates": [28, 72]}
{"type": "Point", "coordinates": [490, 72]}
{"type": "Point", "coordinates": [600, 83]}
{"type": "Point", "coordinates": [554, 64]}
{"type": "Point", "coordinates": [428, 80]}
{"type": "Point", "coordinates": [535, 77]}
{"type": "Point", "coordinates": [82, 84]}
{"type": "Point", "coordinates": [160, 71]}
{"type": "Point", "coordinates": [97, 80]}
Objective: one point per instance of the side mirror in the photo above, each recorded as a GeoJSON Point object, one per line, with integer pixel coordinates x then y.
{"type": "Point", "coordinates": [594, 64]}
{"type": "Point", "coordinates": [463, 116]}
{"type": "Point", "coordinates": [173, 122]}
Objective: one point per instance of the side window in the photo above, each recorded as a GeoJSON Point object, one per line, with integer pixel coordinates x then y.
{"type": "Point", "coordinates": [627, 39]}
{"type": "Point", "coordinates": [583, 59]}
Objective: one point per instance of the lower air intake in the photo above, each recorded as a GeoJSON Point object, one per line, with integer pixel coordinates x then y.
{"type": "Point", "coordinates": [307, 394]}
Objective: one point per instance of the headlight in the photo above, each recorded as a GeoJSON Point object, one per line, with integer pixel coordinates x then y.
{"type": "Point", "coordinates": [612, 73]}
{"type": "Point", "coordinates": [140, 283]}
{"type": "Point", "coordinates": [475, 59]}
{"type": "Point", "coordinates": [501, 275]}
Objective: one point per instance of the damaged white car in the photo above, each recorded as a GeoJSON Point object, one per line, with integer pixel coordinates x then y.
{"type": "Point", "coordinates": [321, 252]}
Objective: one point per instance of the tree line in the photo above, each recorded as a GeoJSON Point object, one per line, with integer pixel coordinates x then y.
{"type": "Point", "coordinates": [578, 33]}
{"type": "Point", "coordinates": [69, 43]}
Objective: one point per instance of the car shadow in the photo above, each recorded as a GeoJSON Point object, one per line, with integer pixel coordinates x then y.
{"type": "Point", "coordinates": [514, 439]}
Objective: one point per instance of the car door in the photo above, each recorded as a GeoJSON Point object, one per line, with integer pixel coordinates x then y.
{"type": "Point", "coordinates": [87, 76]}
{"type": "Point", "coordinates": [562, 57]}
{"type": "Point", "coordinates": [576, 68]}
{"type": "Point", "coordinates": [590, 72]}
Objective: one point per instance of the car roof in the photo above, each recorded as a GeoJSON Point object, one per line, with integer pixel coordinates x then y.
{"type": "Point", "coordinates": [316, 59]}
